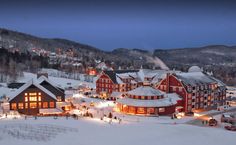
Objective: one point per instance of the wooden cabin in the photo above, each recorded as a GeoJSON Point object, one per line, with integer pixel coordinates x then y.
{"type": "Point", "coordinates": [34, 96]}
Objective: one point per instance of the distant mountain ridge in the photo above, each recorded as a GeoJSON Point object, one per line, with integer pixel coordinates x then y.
{"type": "Point", "coordinates": [220, 59]}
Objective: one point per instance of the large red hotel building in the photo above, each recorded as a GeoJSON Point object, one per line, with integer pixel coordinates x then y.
{"type": "Point", "coordinates": [160, 92]}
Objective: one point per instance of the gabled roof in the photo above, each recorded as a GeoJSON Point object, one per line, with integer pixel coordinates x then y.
{"type": "Point", "coordinates": [42, 78]}
{"type": "Point", "coordinates": [27, 85]}
{"type": "Point", "coordinates": [112, 74]}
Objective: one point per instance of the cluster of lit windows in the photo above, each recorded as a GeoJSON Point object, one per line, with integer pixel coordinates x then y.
{"type": "Point", "coordinates": [32, 97]}
{"type": "Point", "coordinates": [32, 101]}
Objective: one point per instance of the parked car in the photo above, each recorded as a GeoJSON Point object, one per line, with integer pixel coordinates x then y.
{"type": "Point", "coordinates": [227, 118]}
{"type": "Point", "coordinates": [231, 128]}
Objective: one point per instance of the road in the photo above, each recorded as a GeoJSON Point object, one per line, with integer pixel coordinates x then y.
{"type": "Point", "coordinates": [198, 121]}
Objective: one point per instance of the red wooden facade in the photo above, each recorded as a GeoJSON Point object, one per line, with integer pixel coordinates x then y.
{"type": "Point", "coordinates": [201, 96]}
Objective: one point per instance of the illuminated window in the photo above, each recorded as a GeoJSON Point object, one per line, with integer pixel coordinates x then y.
{"type": "Point", "coordinates": [45, 104]}
{"type": "Point", "coordinates": [33, 98]}
{"type": "Point", "coordinates": [140, 110]}
{"type": "Point", "coordinates": [20, 106]}
{"type": "Point", "coordinates": [26, 94]}
{"type": "Point", "coordinates": [132, 110]}
{"type": "Point", "coordinates": [13, 106]}
{"type": "Point", "coordinates": [33, 105]}
{"type": "Point", "coordinates": [39, 98]}
{"type": "Point", "coordinates": [40, 104]}
{"type": "Point", "coordinates": [32, 94]}
{"type": "Point", "coordinates": [51, 104]}
{"type": "Point", "coordinates": [26, 99]}
{"type": "Point", "coordinates": [150, 110]}
{"type": "Point", "coordinates": [39, 93]}
{"type": "Point", "coordinates": [26, 105]}
{"type": "Point", "coordinates": [161, 109]}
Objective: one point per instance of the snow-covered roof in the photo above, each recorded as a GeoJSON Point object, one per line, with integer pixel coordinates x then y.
{"type": "Point", "coordinates": [116, 94]}
{"type": "Point", "coordinates": [12, 95]}
{"type": "Point", "coordinates": [43, 78]}
{"type": "Point", "coordinates": [195, 78]}
{"type": "Point", "coordinates": [194, 69]}
{"type": "Point", "coordinates": [145, 91]}
{"type": "Point", "coordinates": [50, 111]}
{"type": "Point", "coordinates": [170, 99]}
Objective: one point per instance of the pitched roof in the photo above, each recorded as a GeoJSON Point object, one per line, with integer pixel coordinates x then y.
{"type": "Point", "coordinates": [112, 74]}
{"type": "Point", "coordinates": [42, 78]}
{"type": "Point", "coordinates": [27, 85]}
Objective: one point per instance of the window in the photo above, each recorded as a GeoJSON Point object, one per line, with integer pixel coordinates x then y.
{"type": "Point", "coordinates": [150, 110]}
{"type": "Point", "coordinates": [51, 104]}
{"type": "Point", "coordinates": [33, 98]}
{"type": "Point", "coordinates": [20, 106]}
{"type": "Point", "coordinates": [33, 105]}
{"type": "Point", "coordinates": [45, 104]}
{"type": "Point", "coordinates": [26, 105]}
{"type": "Point", "coordinates": [39, 98]}
{"type": "Point", "coordinates": [132, 110]}
{"type": "Point", "coordinates": [40, 105]}
{"type": "Point", "coordinates": [26, 99]}
{"type": "Point", "coordinates": [161, 109]}
{"type": "Point", "coordinates": [140, 110]}
{"type": "Point", "coordinates": [13, 106]}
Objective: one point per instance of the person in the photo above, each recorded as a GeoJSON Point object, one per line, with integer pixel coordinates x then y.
{"type": "Point", "coordinates": [119, 120]}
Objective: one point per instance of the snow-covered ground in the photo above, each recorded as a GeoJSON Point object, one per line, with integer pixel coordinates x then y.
{"type": "Point", "coordinates": [135, 130]}
{"type": "Point", "coordinates": [45, 131]}
{"type": "Point", "coordinates": [63, 82]}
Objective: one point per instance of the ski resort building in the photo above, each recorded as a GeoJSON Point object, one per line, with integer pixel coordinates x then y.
{"type": "Point", "coordinates": [198, 90]}
{"type": "Point", "coordinates": [36, 96]}
{"type": "Point", "coordinates": [132, 89]}
{"type": "Point", "coordinates": [109, 82]}
{"type": "Point", "coordinates": [146, 100]}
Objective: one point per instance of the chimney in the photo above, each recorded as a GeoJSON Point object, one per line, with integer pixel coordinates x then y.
{"type": "Point", "coordinates": [39, 74]}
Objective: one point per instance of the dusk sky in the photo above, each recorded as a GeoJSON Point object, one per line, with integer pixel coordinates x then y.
{"type": "Point", "coordinates": [129, 24]}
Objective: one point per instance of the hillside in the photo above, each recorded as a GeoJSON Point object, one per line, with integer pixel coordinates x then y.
{"type": "Point", "coordinates": [129, 58]}
{"type": "Point", "coordinates": [220, 59]}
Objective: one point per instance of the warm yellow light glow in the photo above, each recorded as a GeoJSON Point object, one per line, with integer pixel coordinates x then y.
{"type": "Point", "coordinates": [105, 104]}
{"type": "Point", "coordinates": [197, 115]}
{"type": "Point", "coordinates": [32, 94]}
